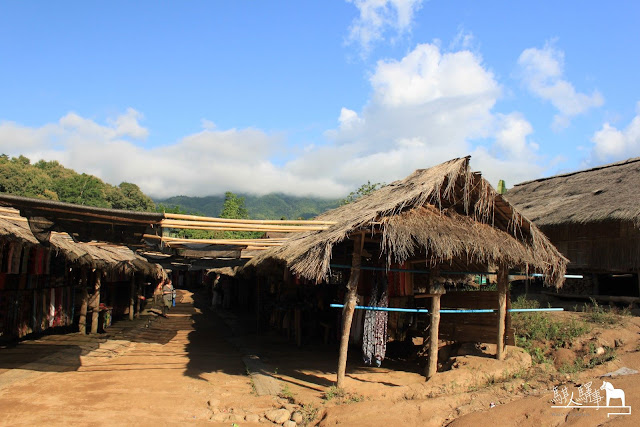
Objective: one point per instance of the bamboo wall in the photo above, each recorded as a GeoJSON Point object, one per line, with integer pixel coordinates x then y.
{"type": "Point", "coordinates": [598, 247]}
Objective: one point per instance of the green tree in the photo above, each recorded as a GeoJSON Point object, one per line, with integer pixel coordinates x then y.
{"type": "Point", "coordinates": [129, 196]}
{"type": "Point", "coordinates": [234, 208]}
{"type": "Point", "coordinates": [363, 190]}
{"type": "Point", "coordinates": [17, 176]}
{"type": "Point", "coordinates": [82, 190]}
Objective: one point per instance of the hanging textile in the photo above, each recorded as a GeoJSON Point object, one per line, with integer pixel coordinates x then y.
{"type": "Point", "coordinates": [374, 340]}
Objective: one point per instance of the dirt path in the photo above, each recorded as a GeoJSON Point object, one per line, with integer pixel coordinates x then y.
{"type": "Point", "coordinates": [188, 368]}
{"type": "Point", "coordinates": [180, 369]}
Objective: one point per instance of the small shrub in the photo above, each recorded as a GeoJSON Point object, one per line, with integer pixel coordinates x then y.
{"type": "Point", "coordinates": [595, 313]}
{"type": "Point", "coordinates": [598, 359]}
{"type": "Point", "coordinates": [334, 392]}
{"type": "Point", "coordinates": [523, 302]}
{"type": "Point", "coordinates": [532, 328]}
{"type": "Point", "coordinates": [286, 393]}
{"type": "Point", "coordinates": [309, 413]}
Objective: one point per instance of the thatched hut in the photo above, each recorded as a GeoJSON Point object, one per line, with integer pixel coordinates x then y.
{"type": "Point", "coordinates": [593, 217]}
{"type": "Point", "coordinates": [38, 284]}
{"type": "Point", "coordinates": [446, 219]}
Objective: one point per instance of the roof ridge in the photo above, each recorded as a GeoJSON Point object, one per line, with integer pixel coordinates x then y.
{"type": "Point", "coordinates": [564, 175]}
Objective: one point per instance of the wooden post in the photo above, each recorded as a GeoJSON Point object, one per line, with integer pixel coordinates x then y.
{"type": "Point", "coordinates": [434, 328]}
{"type": "Point", "coordinates": [82, 321]}
{"type": "Point", "coordinates": [95, 302]}
{"type": "Point", "coordinates": [132, 294]}
{"type": "Point", "coordinates": [138, 296]}
{"type": "Point", "coordinates": [349, 307]}
{"type": "Point", "coordinates": [503, 283]}
{"type": "Point", "coordinates": [257, 305]}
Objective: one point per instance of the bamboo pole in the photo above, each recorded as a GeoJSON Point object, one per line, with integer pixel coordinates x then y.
{"type": "Point", "coordinates": [255, 229]}
{"type": "Point", "coordinates": [434, 328]}
{"type": "Point", "coordinates": [239, 226]}
{"type": "Point", "coordinates": [503, 283]}
{"type": "Point", "coordinates": [132, 294]}
{"type": "Point", "coordinates": [246, 221]}
{"type": "Point", "coordinates": [82, 320]}
{"type": "Point", "coordinates": [349, 306]}
{"type": "Point", "coordinates": [95, 302]}
{"type": "Point", "coordinates": [239, 242]}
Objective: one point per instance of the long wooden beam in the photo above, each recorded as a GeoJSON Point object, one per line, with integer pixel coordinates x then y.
{"type": "Point", "coordinates": [241, 242]}
{"type": "Point", "coordinates": [255, 228]}
{"type": "Point", "coordinates": [169, 216]}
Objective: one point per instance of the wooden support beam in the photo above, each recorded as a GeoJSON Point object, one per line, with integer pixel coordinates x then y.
{"type": "Point", "coordinates": [170, 216]}
{"type": "Point", "coordinates": [138, 296]}
{"type": "Point", "coordinates": [95, 301]}
{"type": "Point", "coordinates": [256, 228]}
{"type": "Point", "coordinates": [84, 301]}
{"type": "Point", "coordinates": [349, 307]}
{"type": "Point", "coordinates": [434, 328]}
{"type": "Point", "coordinates": [503, 284]}
{"type": "Point", "coordinates": [132, 295]}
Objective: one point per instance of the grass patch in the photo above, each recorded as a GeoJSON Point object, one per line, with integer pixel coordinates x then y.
{"type": "Point", "coordinates": [286, 393]}
{"type": "Point", "coordinates": [534, 328]}
{"type": "Point", "coordinates": [595, 313]}
{"type": "Point", "coordinates": [253, 385]}
{"type": "Point", "coordinates": [589, 361]}
{"type": "Point", "coordinates": [339, 394]}
{"type": "Point", "coordinates": [309, 413]}
{"type": "Point", "coordinates": [334, 392]}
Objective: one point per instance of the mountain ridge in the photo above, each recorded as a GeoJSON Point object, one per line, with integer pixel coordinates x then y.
{"type": "Point", "coordinates": [269, 206]}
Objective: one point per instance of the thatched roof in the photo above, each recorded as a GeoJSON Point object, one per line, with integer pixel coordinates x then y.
{"type": "Point", "coordinates": [85, 223]}
{"type": "Point", "coordinates": [446, 212]}
{"type": "Point", "coordinates": [605, 193]}
{"type": "Point", "coordinates": [93, 255]}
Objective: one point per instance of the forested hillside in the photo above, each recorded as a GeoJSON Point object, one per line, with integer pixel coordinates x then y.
{"type": "Point", "coordinates": [271, 206]}
{"type": "Point", "coordinates": [51, 180]}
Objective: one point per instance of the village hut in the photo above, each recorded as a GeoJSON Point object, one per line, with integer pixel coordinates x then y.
{"type": "Point", "coordinates": [60, 284]}
{"type": "Point", "coordinates": [437, 222]}
{"type": "Point", "coordinates": [593, 218]}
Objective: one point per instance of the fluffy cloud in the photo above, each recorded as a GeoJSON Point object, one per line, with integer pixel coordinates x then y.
{"type": "Point", "coordinates": [542, 72]}
{"type": "Point", "coordinates": [425, 108]}
{"type": "Point", "coordinates": [203, 163]}
{"type": "Point", "coordinates": [611, 144]}
{"type": "Point", "coordinates": [379, 17]}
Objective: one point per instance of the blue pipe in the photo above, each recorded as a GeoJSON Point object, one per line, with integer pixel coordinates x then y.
{"type": "Point", "coordinates": [446, 310]}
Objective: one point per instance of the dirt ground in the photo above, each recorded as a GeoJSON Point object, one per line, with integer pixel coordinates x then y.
{"type": "Point", "coordinates": [188, 369]}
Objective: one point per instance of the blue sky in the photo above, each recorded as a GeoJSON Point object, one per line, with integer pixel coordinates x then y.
{"type": "Point", "coordinates": [316, 98]}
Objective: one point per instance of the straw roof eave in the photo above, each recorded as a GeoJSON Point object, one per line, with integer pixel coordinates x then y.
{"type": "Point", "coordinates": [107, 257]}
{"type": "Point", "coordinates": [419, 213]}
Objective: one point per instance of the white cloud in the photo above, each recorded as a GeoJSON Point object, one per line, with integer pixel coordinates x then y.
{"type": "Point", "coordinates": [542, 72]}
{"type": "Point", "coordinates": [427, 75]}
{"type": "Point", "coordinates": [127, 125]}
{"type": "Point", "coordinates": [379, 17]}
{"type": "Point", "coordinates": [203, 163]}
{"type": "Point", "coordinates": [425, 108]}
{"type": "Point", "coordinates": [612, 144]}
